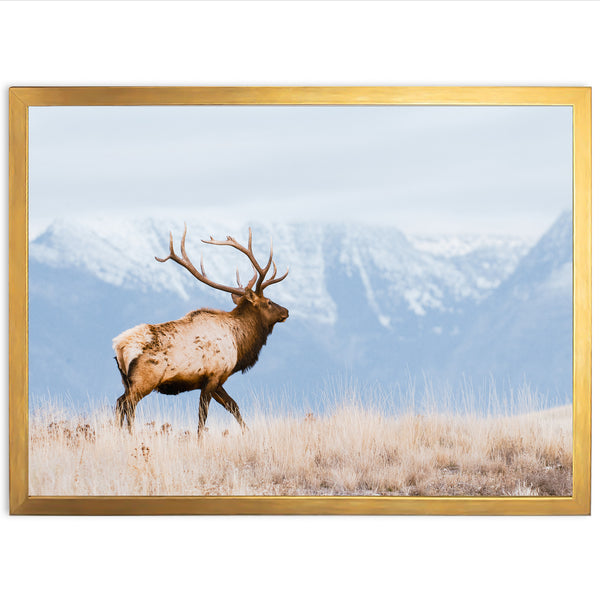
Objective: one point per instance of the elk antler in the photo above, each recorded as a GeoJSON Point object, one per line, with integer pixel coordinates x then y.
{"type": "Point", "coordinates": [184, 261]}
{"type": "Point", "coordinates": [272, 279]}
{"type": "Point", "coordinates": [261, 272]}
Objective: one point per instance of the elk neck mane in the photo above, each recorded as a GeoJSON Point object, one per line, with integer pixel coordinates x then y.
{"type": "Point", "coordinates": [250, 333]}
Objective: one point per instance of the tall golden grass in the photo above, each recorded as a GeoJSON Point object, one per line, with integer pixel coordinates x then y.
{"type": "Point", "coordinates": [351, 451]}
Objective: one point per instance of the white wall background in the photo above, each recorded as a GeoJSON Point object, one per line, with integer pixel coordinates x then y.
{"type": "Point", "coordinates": [316, 43]}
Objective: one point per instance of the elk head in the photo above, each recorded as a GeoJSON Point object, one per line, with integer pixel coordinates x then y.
{"type": "Point", "coordinates": [249, 297]}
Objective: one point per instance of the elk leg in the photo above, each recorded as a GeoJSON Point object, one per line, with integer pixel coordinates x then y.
{"type": "Point", "coordinates": [127, 403]}
{"type": "Point", "coordinates": [203, 410]}
{"type": "Point", "coordinates": [126, 410]}
{"type": "Point", "coordinates": [120, 409]}
{"type": "Point", "coordinates": [140, 380]}
{"type": "Point", "coordinates": [225, 400]}
{"type": "Point", "coordinates": [130, 412]}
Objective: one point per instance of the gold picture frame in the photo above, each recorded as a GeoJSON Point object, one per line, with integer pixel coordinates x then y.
{"type": "Point", "coordinates": [21, 98]}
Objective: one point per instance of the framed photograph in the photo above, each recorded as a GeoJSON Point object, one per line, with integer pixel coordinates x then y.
{"type": "Point", "coordinates": [300, 300]}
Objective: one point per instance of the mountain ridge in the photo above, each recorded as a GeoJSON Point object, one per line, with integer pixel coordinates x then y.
{"type": "Point", "coordinates": [123, 255]}
{"type": "Point", "coordinates": [365, 301]}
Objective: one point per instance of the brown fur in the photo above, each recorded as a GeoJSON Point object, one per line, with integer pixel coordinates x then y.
{"type": "Point", "coordinates": [251, 335]}
{"type": "Point", "coordinates": [155, 353]}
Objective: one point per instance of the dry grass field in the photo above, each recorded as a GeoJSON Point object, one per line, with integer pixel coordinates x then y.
{"type": "Point", "coordinates": [351, 451]}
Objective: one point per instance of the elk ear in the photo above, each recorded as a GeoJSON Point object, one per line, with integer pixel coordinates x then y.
{"type": "Point", "coordinates": [252, 297]}
{"type": "Point", "coordinates": [248, 296]}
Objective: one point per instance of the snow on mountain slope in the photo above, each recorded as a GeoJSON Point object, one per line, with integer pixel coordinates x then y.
{"type": "Point", "coordinates": [489, 259]}
{"type": "Point", "coordinates": [395, 271]}
{"type": "Point", "coordinates": [548, 266]}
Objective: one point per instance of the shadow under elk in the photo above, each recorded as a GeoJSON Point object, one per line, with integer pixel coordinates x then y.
{"type": "Point", "coordinates": [201, 350]}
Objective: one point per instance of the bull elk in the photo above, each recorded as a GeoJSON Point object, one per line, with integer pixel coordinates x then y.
{"type": "Point", "coordinates": [201, 350]}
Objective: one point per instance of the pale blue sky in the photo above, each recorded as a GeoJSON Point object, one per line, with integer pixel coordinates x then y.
{"type": "Point", "coordinates": [425, 169]}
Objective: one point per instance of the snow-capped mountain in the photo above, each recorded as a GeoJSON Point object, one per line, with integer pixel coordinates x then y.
{"type": "Point", "coordinates": [393, 269]}
{"type": "Point", "coordinates": [365, 301]}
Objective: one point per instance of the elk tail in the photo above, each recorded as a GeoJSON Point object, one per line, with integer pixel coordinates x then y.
{"type": "Point", "coordinates": [123, 375]}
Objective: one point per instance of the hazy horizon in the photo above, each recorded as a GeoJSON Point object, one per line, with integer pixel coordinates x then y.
{"type": "Point", "coordinates": [425, 170]}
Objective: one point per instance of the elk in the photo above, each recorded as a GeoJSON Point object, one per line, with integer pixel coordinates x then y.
{"type": "Point", "coordinates": [201, 350]}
